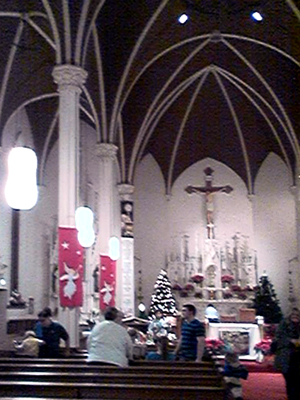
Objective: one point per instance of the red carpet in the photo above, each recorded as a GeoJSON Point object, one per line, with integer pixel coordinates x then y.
{"type": "Point", "coordinates": [264, 382]}
{"type": "Point", "coordinates": [264, 386]}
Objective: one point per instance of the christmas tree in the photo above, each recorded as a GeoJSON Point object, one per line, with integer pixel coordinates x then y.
{"type": "Point", "coordinates": [162, 298]}
{"type": "Point", "coordinates": [265, 301]}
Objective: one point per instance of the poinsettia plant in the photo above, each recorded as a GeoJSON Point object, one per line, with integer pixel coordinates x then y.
{"type": "Point", "coordinates": [214, 344]}
{"type": "Point", "coordinates": [236, 288]}
{"type": "Point", "coordinates": [264, 345]}
{"type": "Point", "coordinates": [198, 278]}
{"type": "Point", "coordinates": [176, 286]}
{"type": "Point", "coordinates": [189, 287]}
{"type": "Point", "coordinates": [227, 278]}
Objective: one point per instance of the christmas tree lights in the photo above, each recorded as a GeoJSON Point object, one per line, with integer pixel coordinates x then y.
{"type": "Point", "coordinates": [162, 298]}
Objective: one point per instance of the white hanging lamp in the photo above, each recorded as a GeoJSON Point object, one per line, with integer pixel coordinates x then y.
{"type": "Point", "coordinates": [114, 248]}
{"type": "Point", "coordinates": [84, 222]}
{"type": "Point", "coordinates": [21, 190]}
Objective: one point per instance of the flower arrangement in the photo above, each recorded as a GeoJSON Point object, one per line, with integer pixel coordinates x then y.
{"type": "Point", "coordinates": [189, 287]}
{"type": "Point", "coordinates": [176, 286]}
{"type": "Point", "coordinates": [264, 345]}
{"type": "Point", "coordinates": [236, 288]}
{"type": "Point", "coordinates": [242, 295]}
{"type": "Point", "coordinates": [184, 293]}
{"type": "Point", "coordinates": [227, 295]}
{"type": "Point", "coordinates": [216, 345]}
{"type": "Point", "coordinates": [227, 278]}
{"type": "Point", "coordinates": [198, 294]}
{"type": "Point", "coordinates": [198, 278]}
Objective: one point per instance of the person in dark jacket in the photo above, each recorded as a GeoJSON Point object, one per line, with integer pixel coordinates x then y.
{"type": "Point", "coordinates": [287, 352]}
{"type": "Point", "coordinates": [52, 333]}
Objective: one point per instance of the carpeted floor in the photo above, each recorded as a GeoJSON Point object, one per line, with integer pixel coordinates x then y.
{"type": "Point", "coordinates": [264, 386]}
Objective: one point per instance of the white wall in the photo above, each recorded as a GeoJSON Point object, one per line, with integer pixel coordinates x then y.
{"type": "Point", "coordinates": [275, 224]}
{"type": "Point", "coordinates": [150, 223]}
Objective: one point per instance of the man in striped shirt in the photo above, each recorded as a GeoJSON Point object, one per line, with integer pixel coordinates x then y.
{"type": "Point", "coordinates": [192, 341]}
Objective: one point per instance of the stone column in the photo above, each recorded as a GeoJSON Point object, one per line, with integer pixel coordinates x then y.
{"type": "Point", "coordinates": [69, 79]}
{"type": "Point", "coordinates": [107, 157]}
{"type": "Point", "coordinates": [126, 274]}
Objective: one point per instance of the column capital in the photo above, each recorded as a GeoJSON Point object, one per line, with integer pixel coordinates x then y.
{"type": "Point", "coordinates": [126, 191]}
{"type": "Point", "coordinates": [69, 75]}
{"type": "Point", "coordinates": [108, 150]}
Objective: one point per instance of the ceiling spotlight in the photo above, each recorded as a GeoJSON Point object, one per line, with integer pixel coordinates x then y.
{"type": "Point", "coordinates": [257, 16]}
{"type": "Point", "coordinates": [183, 18]}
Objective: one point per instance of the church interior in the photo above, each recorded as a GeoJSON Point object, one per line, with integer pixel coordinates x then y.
{"type": "Point", "coordinates": [177, 123]}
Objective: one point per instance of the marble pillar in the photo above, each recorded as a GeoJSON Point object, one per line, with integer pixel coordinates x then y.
{"type": "Point", "coordinates": [70, 80]}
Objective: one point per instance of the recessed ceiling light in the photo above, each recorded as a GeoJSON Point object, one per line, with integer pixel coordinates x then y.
{"type": "Point", "coordinates": [183, 18]}
{"type": "Point", "coordinates": [257, 16]}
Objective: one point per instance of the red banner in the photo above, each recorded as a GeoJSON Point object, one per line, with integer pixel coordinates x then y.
{"type": "Point", "coordinates": [70, 266]}
{"type": "Point", "coordinates": [107, 282]}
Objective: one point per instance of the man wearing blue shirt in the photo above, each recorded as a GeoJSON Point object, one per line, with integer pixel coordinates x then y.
{"type": "Point", "coordinates": [191, 344]}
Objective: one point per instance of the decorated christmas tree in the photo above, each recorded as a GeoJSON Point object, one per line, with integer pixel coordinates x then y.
{"type": "Point", "coordinates": [162, 298]}
{"type": "Point", "coordinates": [266, 302]}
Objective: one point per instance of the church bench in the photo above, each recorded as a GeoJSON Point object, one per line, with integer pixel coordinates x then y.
{"type": "Point", "coordinates": [77, 390]}
{"type": "Point", "coordinates": [95, 377]}
{"type": "Point", "coordinates": [108, 369]}
{"type": "Point", "coordinates": [82, 361]}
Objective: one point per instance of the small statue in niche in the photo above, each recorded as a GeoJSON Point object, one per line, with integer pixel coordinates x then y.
{"type": "Point", "coordinates": [30, 305]}
{"type": "Point", "coordinates": [16, 299]}
{"type": "Point", "coordinates": [96, 279]}
{"type": "Point", "coordinates": [54, 279]}
{"type": "Point", "coordinates": [211, 275]}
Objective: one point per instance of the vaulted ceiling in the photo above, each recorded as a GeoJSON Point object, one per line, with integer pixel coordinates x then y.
{"type": "Point", "coordinates": [222, 85]}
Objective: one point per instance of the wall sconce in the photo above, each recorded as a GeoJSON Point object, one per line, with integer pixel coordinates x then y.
{"type": "Point", "coordinates": [21, 187]}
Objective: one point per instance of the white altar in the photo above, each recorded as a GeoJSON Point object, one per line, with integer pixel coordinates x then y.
{"type": "Point", "coordinates": [242, 336]}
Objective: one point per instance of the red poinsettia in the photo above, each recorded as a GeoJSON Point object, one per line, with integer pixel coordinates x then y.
{"type": "Point", "coordinates": [189, 287]}
{"type": "Point", "coordinates": [214, 344]}
{"type": "Point", "coordinates": [227, 278]}
{"type": "Point", "coordinates": [176, 286]}
{"type": "Point", "coordinates": [264, 345]}
{"type": "Point", "coordinates": [236, 288]}
{"type": "Point", "coordinates": [198, 278]}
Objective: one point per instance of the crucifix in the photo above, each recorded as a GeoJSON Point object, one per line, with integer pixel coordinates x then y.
{"type": "Point", "coordinates": [209, 191]}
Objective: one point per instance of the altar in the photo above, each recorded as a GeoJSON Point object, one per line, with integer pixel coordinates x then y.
{"type": "Point", "coordinates": [241, 336]}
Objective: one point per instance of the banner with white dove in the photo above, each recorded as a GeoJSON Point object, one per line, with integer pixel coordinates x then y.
{"type": "Point", "coordinates": [70, 265]}
{"type": "Point", "coordinates": [107, 282]}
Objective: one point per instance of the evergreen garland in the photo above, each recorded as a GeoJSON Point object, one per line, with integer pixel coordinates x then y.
{"type": "Point", "coordinates": [162, 298]}
{"type": "Point", "coordinates": [266, 302]}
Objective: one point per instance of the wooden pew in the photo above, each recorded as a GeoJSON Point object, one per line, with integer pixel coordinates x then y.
{"type": "Point", "coordinates": [147, 370]}
{"type": "Point", "coordinates": [96, 377]}
{"type": "Point", "coordinates": [89, 390]}
{"type": "Point", "coordinates": [69, 378]}
{"type": "Point", "coordinates": [80, 361]}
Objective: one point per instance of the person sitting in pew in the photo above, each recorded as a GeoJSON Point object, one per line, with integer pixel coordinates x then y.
{"type": "Point", "coordinates": [161, 352]}
{"type": "Point", "coordinates": [109, 342]}
{"type": "Point", "coordinates": [29, 346]}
